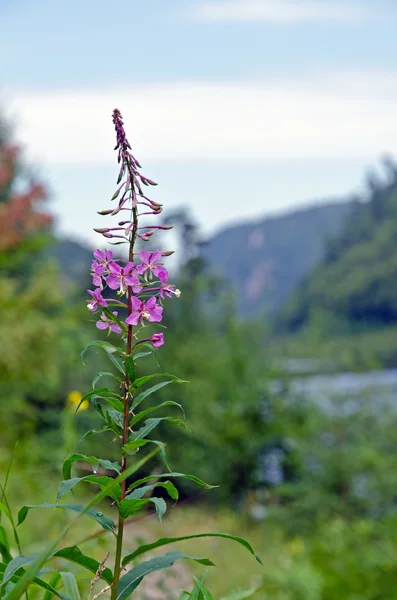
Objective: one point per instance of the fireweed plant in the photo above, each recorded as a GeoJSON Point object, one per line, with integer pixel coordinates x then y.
{"type": "Point", "coordinates": [136, 289]}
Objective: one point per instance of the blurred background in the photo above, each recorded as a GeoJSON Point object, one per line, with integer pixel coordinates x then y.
{"type": "Point", "coordinates": [270, 127]}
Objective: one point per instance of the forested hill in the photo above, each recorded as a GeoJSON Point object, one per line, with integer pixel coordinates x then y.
{"type": "Point", "coordinates": [354, 287]}
{"type": "Point", "coordinates": [265, 259]}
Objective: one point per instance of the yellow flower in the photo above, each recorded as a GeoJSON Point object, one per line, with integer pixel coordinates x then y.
{"type": "Point", "coordinates": [296, 546]}
{"type": "Point", "coordinates": [74, 399]}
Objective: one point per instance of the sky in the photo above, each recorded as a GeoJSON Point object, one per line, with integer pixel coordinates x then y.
{"type": "Point", "coordinates": [237, 108]}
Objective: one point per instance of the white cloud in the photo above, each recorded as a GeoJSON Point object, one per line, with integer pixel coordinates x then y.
{"type": "Point", "coordinates": [340, 116]}
{"type": "Point", "coordinates": [278, 10]}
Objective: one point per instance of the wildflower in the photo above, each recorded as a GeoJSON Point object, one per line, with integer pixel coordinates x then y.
{"type": "Point", "coordinates": [97, 271]}
{"type": "Point", "coordinates": [157, 340]}
{"type": "Point", "coordinates": [103, 258]}
{"type": "Point", "coordinates": [107, 323]}
{"type": "Point", "coordinates": [96, 301]}
{"type": "Point", "coordinates": [150, 263]}
{"type": "Point", "coordinates": [149, 310]}
{"type": "Point", "coordinates": [74, 399]}
{"type": "Point", "coordinates": [122, 277]}
{"type": "Point", "coordinates": [166, 288]}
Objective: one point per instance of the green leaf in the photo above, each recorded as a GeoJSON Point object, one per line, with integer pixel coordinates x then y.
{"type": "Point", "coordinates": [102, 481]}
{"type": "Point", "coordinates": [167, 485]}
{"type": "Point", "coordinates": [118, 363]}
{"type": "Point", "coordinates": [98, 516]}
{"type": "Point", "coordinates": [73, 554]}
{"type": "Point", "coordinates": [141, 397]}
{"type": "Point", "coordinates": [163, 541]}
{"type": "Point", "coordinates": [191, 477]}
{"type": "Point", "coordinates": [88, 434]}
{"type": "Point", "coordinates": [15, 564]}
{"type": "Point", "coordinates": [4, 545]}
{"type": "Point", "coordinates": [130, 581]}
{"type": "Point", "coordinates": [105, 374]}
{"type": "Point", "coordinates": [115, 403]}
{"type": "Point", "coordinates": [130, 506]}
{"type": "Point", "coordinates": [36, 581]}
{"type": "Point", "coordinates": [100, 393]}
{"type": "Point", "coordinates": [148, 411]}
{"type": "Point", "coordinates": [142, 355]}
{"type": "Point", "coordinates": [142, 380]}
{"type": "Point", "coordinates": [70, 585]}
{"type": "Point", "coordinates": [92, 460]}
{"type": "Point", "coordinates": [115, 419]}
{"type": "Point", "coordinates": [54, 582]}
{"type": "Point", "coordinates": [200, 592]}
{"type": "Point", "coordinates": [149, 425]}
{"type": "Point", "coordinates": [5, 511]}
{"type": "Point", "coordinates": [109, 348]}
{"type": "Point", "coordinates": [132, 447]}
{"type": "Point", "coordinates": [115, 319]}
{"type": "Point", "coordinates": [23, 583]}
{"type": "Point", "coordinates": [130, 367]}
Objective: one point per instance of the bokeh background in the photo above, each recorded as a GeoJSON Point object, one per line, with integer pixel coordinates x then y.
{"type": "Point", "coordinates": [270, 128]}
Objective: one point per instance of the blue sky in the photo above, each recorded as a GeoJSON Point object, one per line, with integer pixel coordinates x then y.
{"type": "Point", "coordinates": [238, 108]}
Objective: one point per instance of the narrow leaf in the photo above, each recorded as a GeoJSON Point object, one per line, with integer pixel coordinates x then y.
{"type": "Point", "coordinates": [191, 477]}
{"type": "Point", "coordinates": [98, 516]}
{"type": "Point", "coordinates": [73, 554]}
{"type": "Point", "coordinates": [149, 425]}
{"type": "Point", "coordinates": [105, 374]}
{"type": "Point", "coordinates": [4, 545]}
{"type": "Point", "coordinates": [167, 485]}
{"type": "Point", "coordinates": [102, 481]}
{"type": "Point", "coordinates": [129, 506]}
{"type": "Point", "coordinates": [142, 380]}
{"type": "Point", "coordinates": [92, 460]}
{"type": "Point", "coordinates": [130, 367]}
{"type": "Point", "coordinates": [144, 413]}
{"type": "Point", "coordinates": [109, 348]}
{"type": "Point", "coordinates": [70, 585]}
{"type": "Point", "coordinates": [163, 541]}
{"type": "Point", "coordinates": [141, 397]}
{"type": "Point", "coordinates": [130, 581]}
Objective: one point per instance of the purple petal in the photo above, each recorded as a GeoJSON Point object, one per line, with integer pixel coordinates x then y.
{"type": "Point", "coordinates": [113, 282]}
{"type": "Point", "coordinates": [136, 304]}
{"type": "Point", "coordinates": [151, 303]}
{"type": "Point", "coordinates": [102, 325]}
{"type": "Point", "coordinates": [131, 280]}
{"type": "Point", "coordinates": [144, 256]}
{"type": "Point", "coordinates": [132, 319]}
{"type": "Point", "coordinates": [156, 314]}
{"type": "Point", "coordinates": [114, 268]}
{"type": "Point", "coordinates": [115, 328]}
{"type": "Point", "coordinates": [98, 254]}
{"type": "Point", "coordinates": [161, 273]}
{"type": "Point", "coordinates": [102, 302]}
{"type": "Point", "coordinates": [155, 256]}
{"type": "Point", "coordinates": [140, 269]}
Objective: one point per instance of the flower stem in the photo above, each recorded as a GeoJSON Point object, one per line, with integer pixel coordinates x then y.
{"type": "Point", "coordinates": [127, 395]}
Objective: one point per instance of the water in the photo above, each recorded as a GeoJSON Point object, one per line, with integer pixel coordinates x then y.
{"type": "Point", "coordinates": [377, 387]}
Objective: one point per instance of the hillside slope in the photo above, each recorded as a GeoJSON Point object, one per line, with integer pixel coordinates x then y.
{"type": "Point", "coordinates": [354, 287]}
{"type": "Point", "coordinates": [265, 260]}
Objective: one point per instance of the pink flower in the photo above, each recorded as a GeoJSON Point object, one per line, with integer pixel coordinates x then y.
{"type": "Point", "coordinates": [166, 288]}
{"type": "Point", "coordinates": [157, 340]}
{"type": "Point", "coordinates": [96, 301]}
{"type": "Point", "coordinates": [149, 310]}
{"type": "Point", "coordinates": [122, 277]}
{"type": "Point", "coordinates": [103, 258]}
{"type": "Point", "coordinates": [149, 263]}
{"type": "Point", "coordinates": [97, 272]}
{"type": "Point", "coordinates": [108, 324]}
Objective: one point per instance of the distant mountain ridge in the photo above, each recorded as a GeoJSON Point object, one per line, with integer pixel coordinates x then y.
{"type": "Point", "coordinates": [264, 260]}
